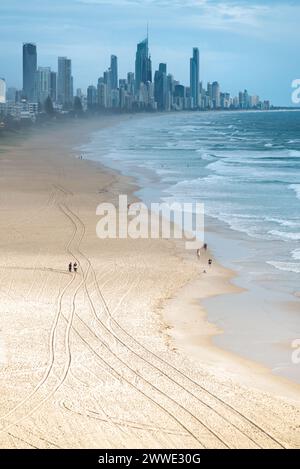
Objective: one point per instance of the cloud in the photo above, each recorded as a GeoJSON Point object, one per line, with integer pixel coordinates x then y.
{"type": "Point", "coordinates": [209, 14]}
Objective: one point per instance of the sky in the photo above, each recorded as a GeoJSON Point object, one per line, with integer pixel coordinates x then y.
{"type": "Point", "coordinates": [243, 44]}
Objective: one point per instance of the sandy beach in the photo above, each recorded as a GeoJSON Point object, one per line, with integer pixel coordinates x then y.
{"type": "Point", "coordinates": [118, 355]}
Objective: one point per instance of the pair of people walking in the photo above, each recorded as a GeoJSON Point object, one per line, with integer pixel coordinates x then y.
{"type": "Point", "coordinates": [73, 267]}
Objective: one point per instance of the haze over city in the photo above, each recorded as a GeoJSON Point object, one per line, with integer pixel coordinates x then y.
{"type": "Point", "coordinates": [234, 39]}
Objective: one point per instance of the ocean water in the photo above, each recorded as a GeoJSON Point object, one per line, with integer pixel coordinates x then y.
{"type": "Point", "coordinates": [245, 168]}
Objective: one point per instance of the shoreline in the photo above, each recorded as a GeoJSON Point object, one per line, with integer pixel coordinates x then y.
{"type": "Point", "coordinates": [131, 274]}
{"type": "Point", "coordinates": [228, 290]}
{"type": "Point", "coordinates": [267, 380]}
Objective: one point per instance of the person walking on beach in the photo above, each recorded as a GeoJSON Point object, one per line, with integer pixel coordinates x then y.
{"type": "Point", "coordinates": [210, 262]}
{"type": "Point", "coordinates": [205, 246]}
{"type": "Point", "coordinates": [70, 267]}
{"type": "Point", "coordinates": [75, 267]}
{"type": "Point", "coordinates": [198, 253]}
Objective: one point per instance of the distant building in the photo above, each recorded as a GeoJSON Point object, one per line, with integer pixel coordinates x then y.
{"type": "Point", "coordinates": [143, 67]}
{"type": "Point", "coordinates": [53, 86]}
{"type": "Point", "coordinates": [130, 82]}
{"type": "Point", "coordinates": [216, 95]}
{"type": "Point", "coordinates": [79, 93]}
{"type": "Point", "coordinates": [107, 80]}
{"type": "Point", "coordinates": [102, 94]}
{"type": "Point", "coordinates": [114, 72]}
{"type": "Point", "coordinates": [254, 101]}
{"type": "Point", "coordinates": [246, 103]}
{"type": "Point", "coordinates": [160, 87]}
{"type": "Point", "coordinates": [65, 82]}
{"type": "Point", "coordinates": [22, 110]}
{"type": "Point", "coordinates": [115, 99]}
{"type": "Point", "coordinates": [43, 84]}
{"type": "Point", "coordinates": [29, 71]}
{"type": "Point", "coordinates": [194, 77]}
{"type": "Point", "coordinates": [241, 99]}
{"type": "Point", "coordinates": [92, 99]}
{"type": "Point", "coordinates": [2, 91]}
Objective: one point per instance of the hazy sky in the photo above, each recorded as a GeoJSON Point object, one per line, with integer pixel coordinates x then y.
{"type": "Point", "coordinates": [243, 44]}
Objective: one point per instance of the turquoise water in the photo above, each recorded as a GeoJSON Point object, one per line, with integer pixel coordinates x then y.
{"type": "Point", "coordinates": [245, 167]}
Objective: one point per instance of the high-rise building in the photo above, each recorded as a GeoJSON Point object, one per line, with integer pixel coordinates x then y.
{"type": "Point", "coordinates": [246, 100]}
{"type": "Point", "coordinates": [216, 95]}
{"type": "Point", "coordinates": [107, 80]}
{"type": "Point", "coordinates": [130, 82]}
{"type": "Point", "coordinates": [195, 77]}
{"type": "Point", "coordinates": [241, 99]}
{"type": "Point", "coordinates": [43, 84]}
{"type": "Point", "coordinates": [160, 87]}
{"type": "Point", "coordinates": [2, 91]}
{"type": "Point", "coordinates": [102, 94]}
{"type": "Point", "coordinates": [254, 101]}
{"type": "Point", "coordinates": [143, 67]}
{"type": "Point", "coordinates": [209, 90]}
{"type": "Point", "coordinates": [92, 97]}
{"type": "Point", "coordinates": [65, 82]}
{"type": "Point", "coordinates": [29, 71]}
{"type": "Point", "coordinates": [114, 72]}
{"type": "Point", "coordinates": [53, 86]}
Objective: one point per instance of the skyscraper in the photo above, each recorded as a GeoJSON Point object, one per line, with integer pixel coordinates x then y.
{"type": "Point", "coordinates": [53, 86]}
{"type": "Point", "coordinates": [114, 72]}
{"type": "Point", "coordinates": [91, 97]}
{"type": "Point", "coordinates": [194, 77]}
{"type": "Point", "coordinates": [65, 82]}
{"type": "Point", "coordinates": [143, 67]}
{"type": "Point", "coordinates": [160, 87]}
{"type": "Point", "coordinates": [2, 91]}
{"type": "Point", "coordinates": [130, 82]}
{"type": "Point", "coordinates": [43, 83]}
{"type": "Point", "coordinates": [102, 93]}
{"type": "Point", "coordinates": [29, 71]}
{"type": "Point", "coordinates": [216, 95]}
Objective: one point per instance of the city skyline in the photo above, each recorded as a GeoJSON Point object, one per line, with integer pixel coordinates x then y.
{"type": "Point", "coordinates": [139, 91]}
{"type": "Point", "coordinates": [142, 73]}
{"type": "Point", "coordinates": [239, 41]}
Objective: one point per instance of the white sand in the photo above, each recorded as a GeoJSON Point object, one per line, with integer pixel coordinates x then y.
{"type": "Point", "coordinates": [119, 355]}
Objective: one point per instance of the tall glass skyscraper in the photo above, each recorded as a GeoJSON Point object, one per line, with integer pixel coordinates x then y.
{"type": "Point", "coordinates": [64, 82]}
{"type": "Point", "coordinates": [216, 94]}
{"type": "Point", "coordinates": [195, 77]}
{"type": "Point", "coordinates": [43, 84]}
{"type": "Point", "coordinates": [143, 67]}
{"type": "Point", "coordinates": [29, 71]}
{"type": "Point", "coordinates": [160, 87]}
{"type": "Point", "coordinates": [114, 72]}
{"type": "Point", "coordinates": [53, 86]}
